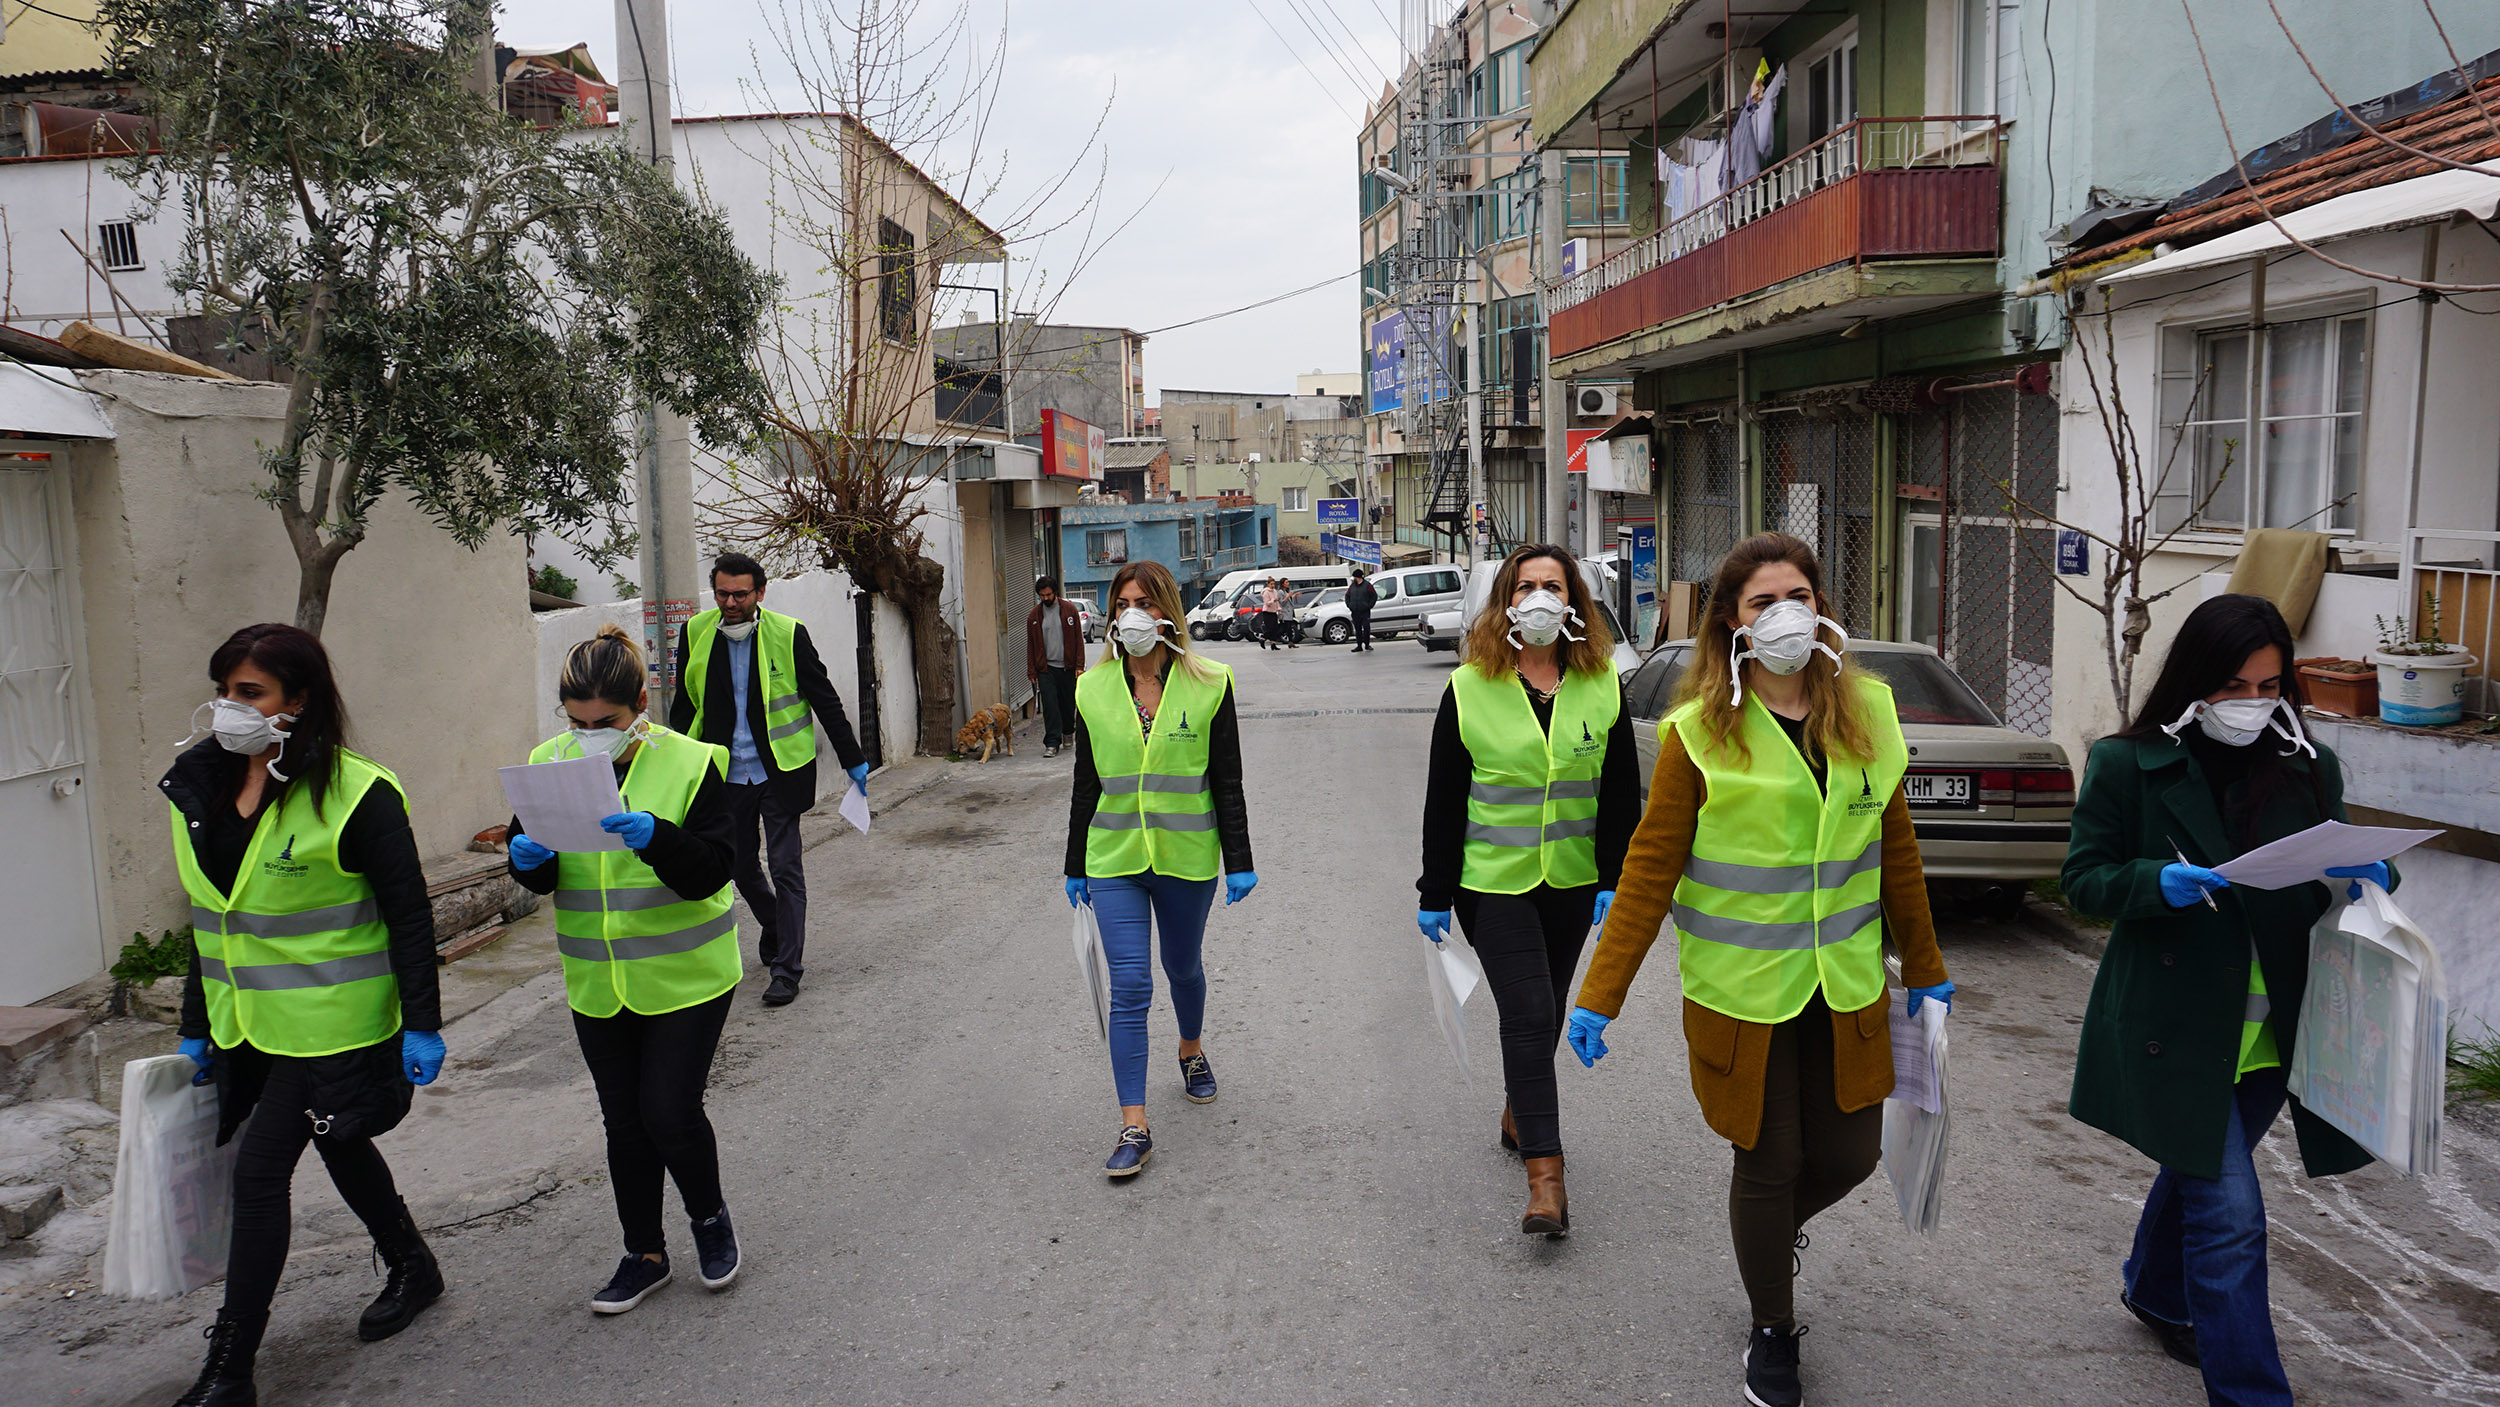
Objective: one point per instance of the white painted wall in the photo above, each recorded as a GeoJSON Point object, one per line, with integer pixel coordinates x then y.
{"type": "Point", "coordinates": [48, 285]}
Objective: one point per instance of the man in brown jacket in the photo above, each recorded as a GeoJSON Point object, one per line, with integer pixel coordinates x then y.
{"type": "Point", "coordinates": [1054, 650]}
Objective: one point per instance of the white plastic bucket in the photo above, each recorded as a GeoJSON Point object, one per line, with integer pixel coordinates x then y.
{"type": "Point", "coordinates": [2421, 691]}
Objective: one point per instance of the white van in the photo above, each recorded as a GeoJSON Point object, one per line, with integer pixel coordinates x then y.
{"type": "Point", "coordinates": [1215, 609]}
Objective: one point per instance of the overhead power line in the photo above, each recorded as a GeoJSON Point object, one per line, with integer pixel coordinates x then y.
{"type": "Point", "coordinates": [1325, 91]}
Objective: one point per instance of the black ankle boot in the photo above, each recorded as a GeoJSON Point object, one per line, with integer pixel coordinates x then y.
{"type": "Point", "coordinates": [415, 1280]}
{"type": "Point", "coordinates": [226, 1379]}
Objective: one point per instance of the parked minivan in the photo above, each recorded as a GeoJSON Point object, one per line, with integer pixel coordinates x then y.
{"type": "Point", "coordinates": [1215, 608]}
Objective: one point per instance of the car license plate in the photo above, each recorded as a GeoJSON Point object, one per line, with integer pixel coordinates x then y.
{"type": "Point", "coordinates": [1933, 789]}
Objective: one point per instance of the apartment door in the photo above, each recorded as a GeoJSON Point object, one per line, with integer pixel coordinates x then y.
{"type": "Point", "coordinates": [47, 865]}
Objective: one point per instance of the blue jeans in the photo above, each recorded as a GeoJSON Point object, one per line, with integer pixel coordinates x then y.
{"type": "Point", "coordinates": [1129, 908]}
{"type": "Point", "coordinates": [2200, 1258]}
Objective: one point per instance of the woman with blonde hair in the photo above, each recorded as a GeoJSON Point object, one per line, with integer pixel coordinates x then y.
{"type": "Point", "coordinates": [1783, 879]}
{"type": "Point", "coordinates": [1533, 792]}
{"type": "Point", "coordinates": [650, 956]}
{"type": "Point", "coordinates": [1158, 808]}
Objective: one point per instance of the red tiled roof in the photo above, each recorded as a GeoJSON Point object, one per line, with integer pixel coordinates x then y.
{"type": "Point", "coordinates": [2458, 129]}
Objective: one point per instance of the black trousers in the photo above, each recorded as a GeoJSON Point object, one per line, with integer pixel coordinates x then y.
{"type": "Point", "coordinates": [1530, 945]}
{"type": "Point", "coordinates": [1058, 690]}
{"type": "Point", "coordinates": [1807, 1156]}
{"type": "Point", "coordinates": [1362, 630]}
{"type": "Point", "coordinates": [650, 1072]}
{"type": "Point", "coordinates": [780, 902]}
{"type": "Point", "coordinates": [264, 1174]}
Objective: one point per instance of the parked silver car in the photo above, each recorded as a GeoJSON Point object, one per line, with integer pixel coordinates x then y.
{"type": "Point", "coordinates": [1991, 804]}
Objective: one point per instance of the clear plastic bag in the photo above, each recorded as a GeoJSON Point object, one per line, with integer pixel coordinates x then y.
{"type": "Point", "coordinates": [173, 1188]}
{"type": "Point", "coordinates": [2370, 1056]}
{"type": "Point", "coordinates": [1918, 1118]}
{"type": "Point", "coordinates": [1092, 969]}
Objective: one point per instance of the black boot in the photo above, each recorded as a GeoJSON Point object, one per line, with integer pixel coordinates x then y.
{"type": "Point", "coordinates": [415, 1280]}
{"type": "Point", "coordinates": [226, 1379]}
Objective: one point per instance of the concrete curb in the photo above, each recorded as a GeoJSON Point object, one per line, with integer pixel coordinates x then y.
{"type": "Point", "coordinates": [2063, 929]}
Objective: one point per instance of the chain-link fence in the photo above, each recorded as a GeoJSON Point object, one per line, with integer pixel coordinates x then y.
{"type": "Point", "coordinates": [1818, 484]}
{"type": "Point", "coordinates": [1704, 504]}
{"type": "Point", "coordinates": [1978, 564]}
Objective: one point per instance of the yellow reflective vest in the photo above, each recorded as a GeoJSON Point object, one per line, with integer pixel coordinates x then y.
{"type": "Point", "coordinates": [296, 961]}
{"type": "Point", "coordinates": [1156, 811]}
{"type": "Point", "coordinates": [789, 728]}
{"type": "Point", "coordinates": [1532, 801]}
{"type": "Point", "coordinates": [629, 942]}
{"type": "Point", "coordinates": [1783, 893]}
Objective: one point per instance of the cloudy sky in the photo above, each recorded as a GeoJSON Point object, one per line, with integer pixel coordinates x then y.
{"type": "Point", "coordinates": [1251, 144]}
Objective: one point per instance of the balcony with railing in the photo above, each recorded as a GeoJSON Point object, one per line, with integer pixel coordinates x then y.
{"type": "Point", "coordinates": [1918, 188]}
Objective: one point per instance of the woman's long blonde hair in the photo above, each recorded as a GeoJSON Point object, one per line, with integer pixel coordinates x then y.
{"type": "Point", "coordinates": [1836, 723]}
{"type": "Point", "coordinates": [1488, 638]}
{"type": "Point", "coordinates": [1161, 589]}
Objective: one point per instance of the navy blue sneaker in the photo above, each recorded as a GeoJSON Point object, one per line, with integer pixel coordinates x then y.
{"type": "Point", "coordinates": [636, 1278]}
{"type": "Point", "coordinates": [1136, 1146]}
{"type": "Point", "coordinates": [716, 1250]}
{"type": "Point", "coordinates": [1197, 1079]}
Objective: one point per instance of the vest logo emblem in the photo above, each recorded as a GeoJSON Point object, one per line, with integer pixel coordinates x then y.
{"type": "Point", "coordinates": [285, 866]}
{"type": "Point", "coordinates": [1865, 803]}
{"type": "Point", "coordinates": [1182, 731]}
{"type": "Point", "coordinates": [289, 852]}
{"type": "Point", "coordinates": [1589, 743]}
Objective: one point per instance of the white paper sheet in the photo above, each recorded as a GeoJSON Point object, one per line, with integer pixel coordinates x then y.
{"type": "Point", "coordinates": [1914, 1042]}
{"type": "Point", "coordinates": [561, 803]}
{"type": "Point", "coordinates": [855, 807]}
{"type": "Point", "coordinates": [1452, 974]}
{"type": "Point", "coordinates": [2298, 859]}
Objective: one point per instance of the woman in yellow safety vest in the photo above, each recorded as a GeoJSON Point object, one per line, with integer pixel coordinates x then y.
{"type": "Point", "coordinates": [1158, 810]}
{"type": "Point", "coordinates": [650, 957]}
{"type": "Point", "coordinates": [1533, 789]}
{"type": "Point", "coordinates": [1782, 876]}
{"type": "Point", "coordinates": [311, 1001]}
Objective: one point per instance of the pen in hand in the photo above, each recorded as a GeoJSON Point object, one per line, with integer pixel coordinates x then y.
{"type": "Point", "coordinates": [2201, 892]}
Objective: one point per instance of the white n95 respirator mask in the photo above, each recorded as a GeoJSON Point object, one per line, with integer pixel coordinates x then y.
{"type": "Point", "coordinates": [741, 630]}
{"type": "Point", "coordinates": [1137, 632]}
{"type": "Point", "coordinates": [1542, 618]}
{"type": "Point", "coordinates": [607, 742]}
{"type": "Point", "coordinates": [2239, 722]}
{"type": "Point", "coordinates": [239, 727]}
{"type": "Point", "coordinates": [1784, 640]}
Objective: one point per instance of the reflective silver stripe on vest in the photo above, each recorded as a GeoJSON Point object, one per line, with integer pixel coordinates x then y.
{"type": "Point", "coordinates": [653, 945]}
{"type": "Point", "coordinates": [1571, 829]}
{"type": "Point", "coordinates": [1492, 795]}
{"type": "Point", "coordinates": [777, 705]}
{"type": "Point", "coordinates": [2260, 1006]}
{"type": "Point", "coordinates": [294, 976]}
{"type": "Point", "coordinates": [1750, 879]}
{"type": "Point", "coordinates": [1153, 821]}
{"type": "Point", "coordinates": [1517, 837]}
{"type": "Point", "coordinates": [799, 724]}
{"type": "Point", "coordinates": [618, 901]}
{"type": "Point", "coordinates": [1573, 789]}
{"type": "Point", "coordinates": [214, 969]}
{"type": "Point", "coordinates": [1776, 937]}
{"type": "Point", "coordinates": [303, 925]}
{"type": "Point", "coordinates": [1831, 874]}
{"type": "Point", "coordinates": [1163, 783]}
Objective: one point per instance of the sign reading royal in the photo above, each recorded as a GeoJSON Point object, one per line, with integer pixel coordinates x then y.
{"type": "Point", "coordinates": [1071, 448]}
{"type": "Point", "coordinates": [1339, 512]}
{"type": "Point", "coordinates": [1388, 363]}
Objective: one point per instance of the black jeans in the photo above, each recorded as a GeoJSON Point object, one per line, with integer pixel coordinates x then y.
{"type": "Point", "coordinates": [1807, 1156]}
{"type": "Point", "coordinates": [780, 904]}
{"type": "Point", "coordinates": [1530, 945]}
{"type": "Point", "coordinates": [1362, 630]}
{"type": "Point", "coordinates": [264, 1174]}
{"type": "Point", "coordinates": [650, 1072]}
{"type": "Point", "coordinates": [1058, 690]}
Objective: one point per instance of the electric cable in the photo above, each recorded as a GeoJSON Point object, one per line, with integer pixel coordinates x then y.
{"type": "Point", "coordinates": [1325, 91]}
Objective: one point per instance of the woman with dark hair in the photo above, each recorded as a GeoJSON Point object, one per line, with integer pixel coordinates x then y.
{"type": "Point", "coordinates": [311, 1000]}
{"type": "Point", "coordinates": [1784, 881]}
{"type": "Point", "coordinates": [2199, 992]}
{"type": "Point", "coordinates": [650, 956]}
{"type": "Point", "coordinates": [1533, 790]}
{"type": "Point", "coordinates": [1158, 811]}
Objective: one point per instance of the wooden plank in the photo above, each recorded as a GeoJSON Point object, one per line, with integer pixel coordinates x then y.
{"type": "Point", "coordinates": [96, 344]}
{"type": "Point", "coordinates": [467, 943]}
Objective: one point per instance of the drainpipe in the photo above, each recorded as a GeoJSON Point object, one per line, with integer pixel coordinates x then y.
{"type": "Point", "coordinates": [2426, 300]}
{"type": "Point", "coordinates": [1748, 463]}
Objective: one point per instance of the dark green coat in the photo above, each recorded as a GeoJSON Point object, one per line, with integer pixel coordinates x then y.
{"type": "Point", "coordinates": [2161, 1040]}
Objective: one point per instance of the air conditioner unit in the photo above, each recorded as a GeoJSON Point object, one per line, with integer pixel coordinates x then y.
{"type": "Point", "coordinates": [1592, 402]}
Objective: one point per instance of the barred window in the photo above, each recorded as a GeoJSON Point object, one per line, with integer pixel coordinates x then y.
{"type": "Point", "coordinates": [898, 300]}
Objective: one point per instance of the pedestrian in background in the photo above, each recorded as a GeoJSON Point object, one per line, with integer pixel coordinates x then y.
{"type": "Point", "coordinates": [1158, 808]}
{"type": "Point", "coordinates": [311, 1000]}
{"type": "Point", "coordinates": [650, 957]}
{"type": "Point", "coordinates": [749, 680]}
{"type": "Point", "coordinates": [1054, 646]}
{"type": "Point", "coordinates": [1360, 597]}
{"type": "Point", "coordinates": [1271, 607]}
{"type": "Point", "coordinates": [2199, 991]}
{"type": "Point", "coordinates": [1784, 880]}
{"type": "Point", "coordinates": [1534, 789]}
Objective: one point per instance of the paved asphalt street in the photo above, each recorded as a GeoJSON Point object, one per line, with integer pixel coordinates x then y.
{"type": "Point", "coordinates": [913, 1155]}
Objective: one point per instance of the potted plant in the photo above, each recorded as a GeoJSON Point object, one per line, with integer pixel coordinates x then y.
{"type": "Point", "coordinates": [2341, 686]}
{"type": "Point", "coordinates": [2421, 678]}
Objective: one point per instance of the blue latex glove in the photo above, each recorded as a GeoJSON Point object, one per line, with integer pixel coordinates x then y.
{"type": "Point", "coordinates": [2183, 885]}
{"type": "Point", "coordinates": [636, 826]}
{"type": "Point", "coordinates": [1079, 893]}
{"type": "Point", "coordinates": [1587, 1034]}
{"type": "Point", "coordinates": [2375, 872]}
{"type": "Point", "coordinates": [421, 1054]}
{"type": "Point", "coordinates": [527, 854]}
{"type": "Point", "coordinates": [197, 1049]}
{"type": "Point", "coordinates": [1434, 922]}
{"type": "Point", "coordinates": [1941, 992]}
{"type": "Point", "coordinates": [1237, 887]}
{"type": "Point", "coordinates": [859, 774]}
{"type": "Point", "coordinates": [1605, 901]}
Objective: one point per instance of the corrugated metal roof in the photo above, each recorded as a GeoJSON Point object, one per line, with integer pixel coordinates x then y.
{"type": "Point", "coordinates": [2389, 207]}
{"type": "Point", "coordinates": [1133, 456]}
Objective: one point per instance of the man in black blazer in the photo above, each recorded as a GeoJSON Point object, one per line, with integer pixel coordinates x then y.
{"type": "Point", "coordinates": [749, 680]}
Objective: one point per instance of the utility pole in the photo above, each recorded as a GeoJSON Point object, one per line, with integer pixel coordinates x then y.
{"type": "Point", "coordinates": [1479, 515]}
{"type": "Point", "coordinates": [1554, 399]}
{"type": "Point", "coordinates": [664, 465]}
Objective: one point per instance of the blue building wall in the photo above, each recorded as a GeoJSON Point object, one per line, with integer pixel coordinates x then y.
{"type": "Point", "coordinates": [1227, 540]}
